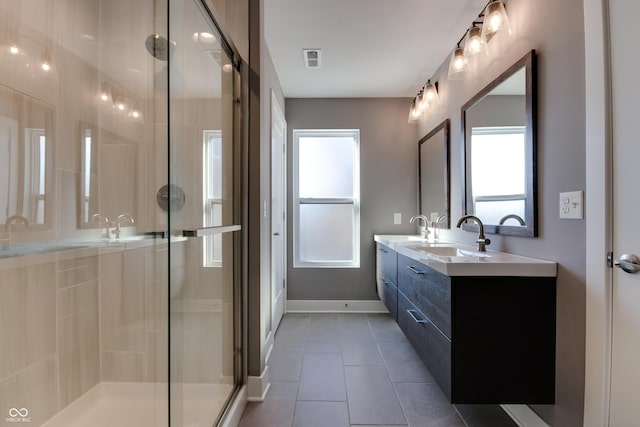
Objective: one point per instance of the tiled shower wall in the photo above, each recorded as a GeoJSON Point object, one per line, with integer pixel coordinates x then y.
{"type": "Point", "coordinates": [69, 320]}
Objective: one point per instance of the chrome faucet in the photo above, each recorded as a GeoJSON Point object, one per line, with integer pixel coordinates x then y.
{"type": "Point", "coordinates": [15, 219]}
{"type": "Point", "coordinates": [422, 228]}
{"type": "Point", "coordinates": [435, 227]}
{"type": "Point", "coordinates": [97, 217]}
{"type": "Point", "coordinates": [511, 216]}
{"type": "Point", "coordinates": [481, 241]}
{"type": "Point", "coordinates": [116, 231]}
{"type": "Point", "coordinates": [441, 217]}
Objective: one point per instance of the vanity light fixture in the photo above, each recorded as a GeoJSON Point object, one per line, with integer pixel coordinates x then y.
{"type": "Point", "coordinates": [105, 94]}
{"type": "Point", "coordinates": [134, 113]}
{"type": "Point", "coordinates": [495, 19]}
{"type": "Point", "coordinates": [457, 64]}
{"type": "Point", "coordinates": [475, 43]}
{"type": "Point", "coordinates": [414, 112]}
{"type": "Point", "coordinates": [431, 93]}
{"type": "Point", "coordinates": [203, 37]}
{"type": "Point", "coordinates": [490, 21]}
{"type": "Point", "coordinates": [427, 97]}
{"type": "Point", "coordinates": [422, 103]}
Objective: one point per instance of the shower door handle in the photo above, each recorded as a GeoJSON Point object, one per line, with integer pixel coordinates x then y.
{"type": "Point", "coordinates": [210, 231]}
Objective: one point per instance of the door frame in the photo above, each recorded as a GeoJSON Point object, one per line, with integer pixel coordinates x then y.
{"type": "Point", "coordinates": [278, 116]}
{"type": "Point", "coordinates": [598, 207]}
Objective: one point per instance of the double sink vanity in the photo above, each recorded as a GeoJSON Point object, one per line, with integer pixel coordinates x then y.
{"type": "Point", "coordinates": [484, 323]}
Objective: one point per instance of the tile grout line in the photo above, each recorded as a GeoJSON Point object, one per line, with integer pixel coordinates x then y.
{"type": "Point", "coordinates": [395, 390]}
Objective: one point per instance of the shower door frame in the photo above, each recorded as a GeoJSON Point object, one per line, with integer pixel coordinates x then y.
{"type": "Point", "coordinates": [240, 170]}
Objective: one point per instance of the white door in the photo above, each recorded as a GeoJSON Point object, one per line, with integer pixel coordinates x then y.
{"type": "Point", "coordinates": [625, 358]}
{"type": "Point", "coordinates": [278, 213]}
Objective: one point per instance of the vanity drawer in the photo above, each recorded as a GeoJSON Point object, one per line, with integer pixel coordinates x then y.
{"type": "Point", "coordinates": [387, 261]}
{"type": "Point", "coordinates": [432, 346]}
{"type": "Point", "coordinates": [428, 290]}
{"type": "Point", "coordinates": [389, 297]}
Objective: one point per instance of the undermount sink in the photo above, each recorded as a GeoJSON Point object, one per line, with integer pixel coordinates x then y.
{"type": "Point", "coordinates": [456, 259]}
{"type": "Point", "coordinates": [450, 251]}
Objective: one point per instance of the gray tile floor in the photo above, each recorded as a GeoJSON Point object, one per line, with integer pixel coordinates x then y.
{"type": "Point", "coordinates": [342, 370]}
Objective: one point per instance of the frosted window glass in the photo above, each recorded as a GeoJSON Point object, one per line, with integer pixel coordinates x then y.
{"type": "Point", "coordinates": [326, 233]}
{"type": "Point", "coordinates": [498, 164]}
{"type": "Point", "coordinates": [325, 167]}
{"type": "Point", "coordinates": [492, 212]}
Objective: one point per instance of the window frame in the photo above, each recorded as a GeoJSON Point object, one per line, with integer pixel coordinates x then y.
{"type": "Point", "coordinates": [355, 200]}
{"type": "Point", "coordinates": [209, 256]}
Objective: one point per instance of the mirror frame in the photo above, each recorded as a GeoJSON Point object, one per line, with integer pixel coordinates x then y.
{"type": "Point", "coordinates": [531, 180]}
{"type": "Point", "coordinates": [446, 126]}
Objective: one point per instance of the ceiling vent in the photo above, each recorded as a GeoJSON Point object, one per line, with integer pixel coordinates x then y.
{"type": "Point", "coordinates": [312, 57]}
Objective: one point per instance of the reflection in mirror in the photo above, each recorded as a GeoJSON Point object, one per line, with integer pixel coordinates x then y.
{"type": "Point", "coordinates": [433, 176]}
{"type": "Point", "coordinates": [26, 170]}
{"type": "Point", "coordinates": [499, 133]}
{"type": "Point", "coordinates": [109, 177]}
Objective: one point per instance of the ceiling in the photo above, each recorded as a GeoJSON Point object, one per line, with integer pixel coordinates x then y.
{"type": "Point", "coordinates": [370, 48]}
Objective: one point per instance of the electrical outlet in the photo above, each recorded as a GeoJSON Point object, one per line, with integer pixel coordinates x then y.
{"type": "Point", "coordinates": [397, 218]}
{"type": "Point", "coordinates": [571, 205]}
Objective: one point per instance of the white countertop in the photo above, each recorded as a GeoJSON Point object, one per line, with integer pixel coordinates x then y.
{"type": "Point", "coordinates": [455, 259]}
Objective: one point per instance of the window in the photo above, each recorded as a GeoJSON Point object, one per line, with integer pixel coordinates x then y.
{"type": "Point", "coordinates": [212, 189]}
{"type": "Point", "coordinates": [35, 161]}
{"type": "Point", "coordinates": [326, 189]}
{"type": "Point", "coordinates": [499, 186]}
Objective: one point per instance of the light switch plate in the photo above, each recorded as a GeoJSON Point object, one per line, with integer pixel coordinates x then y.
{"type": "Point", "coordinates": [572, 205]}
{"type": "Point", "coordinates": [397, 218]}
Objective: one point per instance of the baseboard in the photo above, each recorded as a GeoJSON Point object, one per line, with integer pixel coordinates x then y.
{"type": "Point", "coordinates": [335, 306]}
{"type": "Point", "coordinates": [258, 387]}
{"type": "Point", "coordinates": [268, 346]}
{"type": "Point", "coordinates": [233, 415]}
{"type": "Point", "coordinates": [524, 416]}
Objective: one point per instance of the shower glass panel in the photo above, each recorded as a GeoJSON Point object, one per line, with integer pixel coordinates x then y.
{"type": "Point", "coordinates": [116, 135]}
{"type": "Point", "coordinates": [202, 168]}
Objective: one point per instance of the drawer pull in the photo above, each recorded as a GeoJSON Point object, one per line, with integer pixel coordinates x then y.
{"type": "Point", "coordinates": [384, 250]}
{"type": "Point", "coordinates": [412, 313]}
{"type": "Point", "coordinates": [414, 270]}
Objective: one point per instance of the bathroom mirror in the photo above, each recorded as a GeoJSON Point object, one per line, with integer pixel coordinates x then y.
{"type": "Point", "coordinates": [433, 175]}
{"type": "Point", "coordinates": [109, 176]}
{"type": "Point", "coordinates": [26, 162]}
{"type": "Point", "coordinates": [499, 133]}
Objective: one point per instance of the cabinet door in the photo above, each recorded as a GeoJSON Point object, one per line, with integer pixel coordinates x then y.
{"type": "Point", "coordinates": [428, 290]}
{"type": "Point", "coordinates": [388, 262]}
{"type": "Point", "coordinates": [389, 297]}
{"type": "Point", "coordinates": [433, 347]}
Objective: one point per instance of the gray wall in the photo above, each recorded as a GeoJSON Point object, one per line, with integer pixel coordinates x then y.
{"type": "Point", "coordinates": [388, 181]}
{"type": "Point", "coordinates": [263, 81]}
{"type": "Point", "coordinates": [555, 30]}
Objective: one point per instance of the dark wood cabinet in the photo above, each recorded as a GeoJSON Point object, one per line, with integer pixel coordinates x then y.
{"type": "Point", "coordinates": [485, 340]}
{"type": "Point", "coordinates": [387, 278]}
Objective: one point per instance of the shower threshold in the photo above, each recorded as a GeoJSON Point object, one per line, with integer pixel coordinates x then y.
{"type": "Point", "coordinates": [144, 405]}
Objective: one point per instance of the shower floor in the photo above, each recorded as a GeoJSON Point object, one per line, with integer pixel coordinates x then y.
{"type": "Point", "coordinates": [143, 405]}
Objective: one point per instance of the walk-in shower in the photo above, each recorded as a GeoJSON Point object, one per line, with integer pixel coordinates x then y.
{"type": "Point", "coordinates": [119, 304]}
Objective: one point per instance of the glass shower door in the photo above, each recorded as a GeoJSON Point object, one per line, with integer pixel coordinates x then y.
{"type": "Point", "coordinates": [203, 218]}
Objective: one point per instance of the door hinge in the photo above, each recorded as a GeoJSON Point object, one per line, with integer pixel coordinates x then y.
{"type": "Point", "coordinates": [610, 259]}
